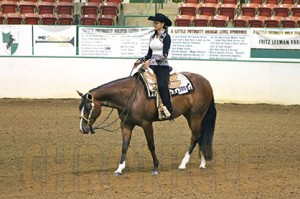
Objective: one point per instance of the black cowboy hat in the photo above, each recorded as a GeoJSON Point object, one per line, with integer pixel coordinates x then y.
{"type": "Point", "coordinates": [162, 18]}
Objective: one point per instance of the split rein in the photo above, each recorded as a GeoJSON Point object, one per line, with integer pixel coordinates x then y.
{"type": "Point", "coordinates": [125, 112]}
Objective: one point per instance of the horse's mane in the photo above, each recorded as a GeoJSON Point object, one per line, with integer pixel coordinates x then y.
{"type": "Point", "coordinates": [114, 82]}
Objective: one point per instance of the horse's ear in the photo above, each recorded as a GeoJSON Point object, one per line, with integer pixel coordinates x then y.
{"type": "Point", "coordinates": [79, 93]}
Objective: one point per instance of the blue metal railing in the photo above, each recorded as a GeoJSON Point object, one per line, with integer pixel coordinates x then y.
{"type": "Point", "coordinates": [147, 11]}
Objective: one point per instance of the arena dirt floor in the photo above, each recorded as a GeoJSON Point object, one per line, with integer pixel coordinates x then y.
{"type": "Point", "coordinates": [43, 155]}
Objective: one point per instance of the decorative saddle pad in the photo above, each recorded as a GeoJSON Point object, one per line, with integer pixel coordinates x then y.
{"type": "Point", "coordinates": [179, 83]}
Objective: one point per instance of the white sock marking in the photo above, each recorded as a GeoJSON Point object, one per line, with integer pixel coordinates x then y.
{"type": "Point", "coordinates": [202, 161]}
{"type": "Point", "coordinates": [185, 160]}
{"type": "Point", "coordinates": [120, 168]}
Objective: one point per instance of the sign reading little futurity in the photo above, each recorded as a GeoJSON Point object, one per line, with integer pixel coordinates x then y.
{"type": "Point", "coordinates": [187, 42]}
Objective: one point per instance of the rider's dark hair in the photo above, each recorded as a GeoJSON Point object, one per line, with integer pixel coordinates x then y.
{"type": "Point", "coordinates": [166, 29]}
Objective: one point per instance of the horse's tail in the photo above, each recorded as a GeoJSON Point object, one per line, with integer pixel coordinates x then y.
{"type": "Point", "coordinates": [207, 131]}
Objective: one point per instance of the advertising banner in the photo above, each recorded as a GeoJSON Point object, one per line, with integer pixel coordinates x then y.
{"type": "Point", "coordinates": [54, 40]}
{"type": "Point", "coordinates": [275, 38]}
{"type": "Point", "coordinates": [210, 43]}
{"type": "Point", "coordinates": [187, 43]}
{"type": "Point", "coordinates": [15, 40]}
{"type": "Point", "coordinates": [113, 42]}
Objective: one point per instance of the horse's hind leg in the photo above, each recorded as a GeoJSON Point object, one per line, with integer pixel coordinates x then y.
{"type": "Point", "coordinates": [202, 161]}
{"type": "Point", "coordinates": [195, 126]}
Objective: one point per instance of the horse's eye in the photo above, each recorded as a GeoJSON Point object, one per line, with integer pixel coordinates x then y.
{"type": "Point", "coordinates": [89, 97]}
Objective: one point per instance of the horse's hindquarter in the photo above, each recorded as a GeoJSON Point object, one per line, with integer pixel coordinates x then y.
{"type": "Point", "coordinates": [202, 94]}
{"type": "Point", "coordinates": [200, 83]}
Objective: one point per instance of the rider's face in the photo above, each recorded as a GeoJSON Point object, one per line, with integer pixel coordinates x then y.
{"type": "Point", "coordinates": [158, 25]}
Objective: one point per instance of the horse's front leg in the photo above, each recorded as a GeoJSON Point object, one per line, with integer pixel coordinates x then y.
{"type": "Point", "coordinates": [126, 136]}
{"type": "Point", "coordinates": [148, 130]}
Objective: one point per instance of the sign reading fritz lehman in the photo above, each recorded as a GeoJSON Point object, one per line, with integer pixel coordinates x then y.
{"type": "Point", "coordinates": [54, 40]}
{"type": "Point", "coordinates": [275, 39]}
{"type": "Point", "coordinates": [276, 43]}
{"type": "Point", "coordinates": [15, 40]}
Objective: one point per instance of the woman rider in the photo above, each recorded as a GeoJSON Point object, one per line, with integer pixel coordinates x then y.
{"type": "Point", "coordinates": [157, 55]}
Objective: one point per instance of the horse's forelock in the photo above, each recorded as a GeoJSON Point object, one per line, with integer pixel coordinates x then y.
{"type": "Point", "coordinates": [83, 103]}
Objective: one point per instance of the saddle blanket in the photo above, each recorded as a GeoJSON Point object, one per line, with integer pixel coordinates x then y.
{"type": "Point", "coordinates": [179, 83]}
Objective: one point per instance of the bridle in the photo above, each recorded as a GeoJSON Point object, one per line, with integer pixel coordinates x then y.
{"type": "Point", "coordinates": [90, 115]}
{"type": "Point", "coordinates": [125, 112]}
{"type": "Point", "coordinates": [88, 120]}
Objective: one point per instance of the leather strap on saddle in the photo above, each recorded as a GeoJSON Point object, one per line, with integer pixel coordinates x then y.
{"type": "Point", "coordinates": [179, 84]}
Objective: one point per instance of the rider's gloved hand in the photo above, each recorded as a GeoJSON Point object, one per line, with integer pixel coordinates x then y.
{"type": "Point", "coordinates": [137, 62]}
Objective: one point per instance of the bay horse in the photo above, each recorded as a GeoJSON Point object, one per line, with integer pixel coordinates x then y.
{"type": "Point", "coordinates": [128, 96]}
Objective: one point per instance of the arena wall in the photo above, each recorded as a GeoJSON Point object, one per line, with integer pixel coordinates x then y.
{"type": "Point", "coordinates": [232, 81]}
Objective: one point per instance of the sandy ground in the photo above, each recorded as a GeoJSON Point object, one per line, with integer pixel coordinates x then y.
{"type": "Point", "coordinates": [43, 155]}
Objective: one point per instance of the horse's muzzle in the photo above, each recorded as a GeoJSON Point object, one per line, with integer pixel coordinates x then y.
{"type": "Point", "coordinates": [88, 129]}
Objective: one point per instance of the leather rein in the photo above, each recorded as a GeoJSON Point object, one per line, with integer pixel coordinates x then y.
{"type": "Point", "coordinates": [125, 112]}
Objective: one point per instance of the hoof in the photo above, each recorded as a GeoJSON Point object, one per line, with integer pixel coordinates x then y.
{"type": "Point", "coordinates": [202, 167]}
{"type": "Point", "coordinates": [155, 173]}
{"type": "Point", "coordinates": [181, 168]}
{"type": "Point", "coordinates": [117, 174]}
